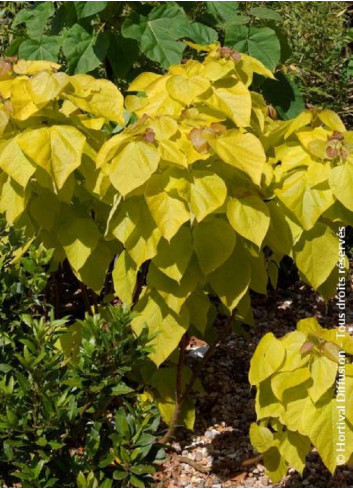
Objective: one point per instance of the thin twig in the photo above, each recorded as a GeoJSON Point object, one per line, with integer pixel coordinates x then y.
{"type": "Point", "coordinates": [248, 462]}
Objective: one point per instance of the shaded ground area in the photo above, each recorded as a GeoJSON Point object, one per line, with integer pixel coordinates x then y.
{"type": "Point", "coordinates": [226, 410]}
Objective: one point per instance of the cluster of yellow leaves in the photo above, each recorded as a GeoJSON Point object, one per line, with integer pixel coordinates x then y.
{"type": "Point", "coordinates": [198, 186]}
{"type": "Point", "coordinates": [298, 402]}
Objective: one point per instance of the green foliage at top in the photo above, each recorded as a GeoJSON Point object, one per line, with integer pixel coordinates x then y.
{"type": "Point", "coordinates": [118, 40]}
{"type": "Point", "coordinates": [70, 409]}
{"type": "Point", "coordinates": [298, 403]}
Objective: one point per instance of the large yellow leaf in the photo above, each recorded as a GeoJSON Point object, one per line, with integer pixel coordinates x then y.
{"type": "Point", "coordinates": [323, 373]}
{"type": "Point", "coordinates": [23, 105]}
{"type": "Point", "coordinates": [207, 193]}
{"type": "Point", "coordinates": [322, 424]}
{"type": "Point", "coordinates": [133, 166]}
{"type": "Point", "coordinates": [124, 277]}
{"type": "Point", "coordinates": [293, 342]}
{"type": "Point", "coordinates": [47, 86]}
{"type": "Point", "coordinates": [275, 464]}
{"type": "Point", "coordinates": [165, 328]}
{"type": "Point", "coordinates": [134, 227]}
{"type": "Point", "coordinates": [170, 152]}
{"type": "Point", "coordinates": [94, 271]}
{"type": "Point", "coordinates": [31, 67]}
{"type": "Point", "coordinates": [174, 294]}
{"type": "Point", "coordinates": [199, 308]}
{"type": "Point", "coordinates": [79, 238]}
{"type": "Point", "coordinates": [57, 149]}
{"type": "Point", "coordinates": [316, 254]}
{"type": "Point", "coordinates": [304, 201]}
{"type": "Point", "coordinates": [173, 258]}
{"type": "Point", "coordinates": [261, 438]}
{"type": "Point", "coordinates": [241, 150]}
{"type": "Point", "coordinates": [282, 381]}
{"type": "Point", "coordinates": [186, 90]}
{"type": "Point", "coordinates": [211, 252]}
{"type": "Point", "coordinates": [250, 217]}
{"type": "Point", "coordinates": [234, 101]}
{"type": "Point", "coordinates": [267, 359]}
{"type": "Point", "coordinates": [12, 200]}
{"type": "Point", "coordinates": [98, 97]}
{"type": "Point", "coordinates": [231, 280]}
{"type": "Point", "coordinates": [15, 163]}
{"type": "Point", "coordinates": [168, 209]}
{"type": "Point", "coordinates": [294, 447]}
{"type": "Point", "coordinates": [341, 182]}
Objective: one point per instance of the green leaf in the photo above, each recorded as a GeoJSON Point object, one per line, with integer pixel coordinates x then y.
{"type": "Point", "coordinates": [46, 48]}
{"type": "Point", "coordinates": [35, 19]}
{"type": "Point", "coordinates": [159, 33]}
{"type": "Point", "coordinates": [201, 34]}
{"type": "Point", "coordinates": [267, 359]}
{"type": "Point", "coordinates": [250, 217]}
{"type": "Point", "coordinates": [222, 10]}
{"type": "Point", "coordinates": [260, 42]}
{"type": "Point", "coordinates": [122, 54]}
{"type": "Point", "coordinates": [121, 389]}
{"type": "Point", "coordinates": [285, 95]}
{"type": "Point", "coordinates": [84, 51]}
{"type": "Point", "coordinates": [212, 253]}
{"type": "Point", "coordinates": [265, 13]}
{"type": "Point", "coordinates": [87, 9]}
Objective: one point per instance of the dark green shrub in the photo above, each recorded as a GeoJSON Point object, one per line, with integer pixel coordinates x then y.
{"type": "Point", "coordinates": [24, 272]}
{"type": "Point", "coordinates": [70, 409]}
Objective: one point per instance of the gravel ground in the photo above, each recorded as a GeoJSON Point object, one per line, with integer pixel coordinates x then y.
{"type": "Point", "coordinates": [226, 410]}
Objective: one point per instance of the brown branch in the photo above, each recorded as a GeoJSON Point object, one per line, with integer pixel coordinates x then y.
{"type": "Point", "coordinates": [180, 397]}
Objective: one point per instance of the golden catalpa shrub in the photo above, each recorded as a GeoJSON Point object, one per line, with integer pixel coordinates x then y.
{"type": "Point", "coordinates": [304, 398]}
{"type": "Point", "coordinates": [203, 189]}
